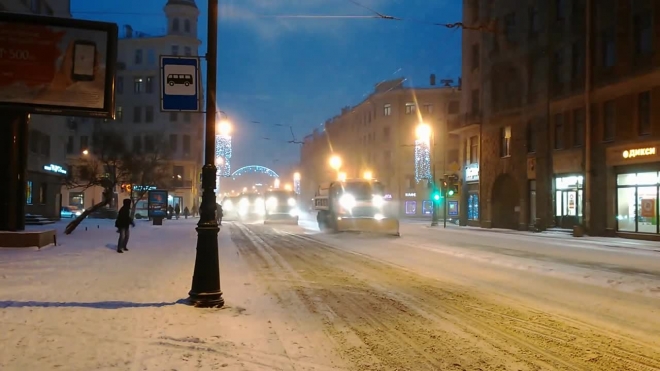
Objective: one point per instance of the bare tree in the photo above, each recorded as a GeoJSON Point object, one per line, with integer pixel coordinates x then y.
{"type": "Point", "coordinates": [145, 171]}
{"type": "Point", "coordinates": [100, 167]}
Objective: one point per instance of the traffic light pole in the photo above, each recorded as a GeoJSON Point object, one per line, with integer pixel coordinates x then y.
{"type": "Point", "coordinates": [444, 208]}
{"type": "Point", "coordinates": [434, 220]}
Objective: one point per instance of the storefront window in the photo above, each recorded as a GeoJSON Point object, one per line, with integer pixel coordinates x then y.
{"type": "Point", "coordinates": [427, 207]}
{"type": "Point", "coordinates": [473, 206]}
{"type": "Point", "coordinates": [411, 207]}
{"type": "Point", "coordinates": [568, 201]}
{"type": "Point", "coordinates": [637, 202]}
{"type": "Point", "coordinates": [77, 199]}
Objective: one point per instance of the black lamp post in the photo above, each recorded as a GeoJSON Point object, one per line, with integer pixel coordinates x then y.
{"type": "Point", "coordinates": [205, 291]}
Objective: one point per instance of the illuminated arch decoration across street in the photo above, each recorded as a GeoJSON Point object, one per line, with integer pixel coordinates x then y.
{"type": "Point", "coordinates": [254, 169]}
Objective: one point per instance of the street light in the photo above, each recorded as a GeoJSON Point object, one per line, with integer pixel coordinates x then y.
{"type": "Point", "coordinates": [296, 176]}
{"type": "Point", "coordinates": [342, 177]}
{"type": "Point", "coordinates": [85, 152]}
{"type": "Point", "coordinates": [368, 175]}
{"type": "Point", "coordinates": [224, 127]}
{"type": "Point", "coordinates": [288, 187]}
{"type": "Point", "coordinates": [335, 162]}
{"type": "Point", "coordinates": [205, 289]}
{"type": "Point", "coordinates": [425, 134]}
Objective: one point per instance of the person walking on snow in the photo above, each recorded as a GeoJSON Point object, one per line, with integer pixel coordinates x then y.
{"type": "Point", "coordinates": [123, 223]}
{"type": "Point", "coordinates": [186, 212]}
{"type": "Point", "coordinates": [177, 211]}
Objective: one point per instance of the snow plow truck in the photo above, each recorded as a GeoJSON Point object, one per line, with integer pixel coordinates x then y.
{"type": "Point", "coordinates": [355, 205]}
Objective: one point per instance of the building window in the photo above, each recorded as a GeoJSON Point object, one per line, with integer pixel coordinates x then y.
{"type": "Point", "coordinates": [119, 89]}
{"type": "Point", "coordinates": [174, 116]}
{"type": "Point", "coordinates": [386, 133]}
{"type": "Point", "coordinates": [609, 121]}
{"type": "Point", "coordinates": [474, 150]}
{"type": "Point", "coordinates": [43, 193]}
{"type": "Point", "coordinates": [175, 25]}
{"type": "Point", "coordinates": [644, 113]}
{"type": "Point", "coordinates": [428, 108]}
{"type": "Point", "coordinates": [77, 199]}
{"type": "Point", "coordinates": [476, 105]}
{"type": "Point", "coordinates": [186, 144]}
{"type": "Point", "coordinates": [558, 67]}
{"type": "Point", "coordinates": [410, 108]}
{"type": "Point", "coordinates": [579, 123]}
{"type": "Point", "coordinates": [28, 193]}
{"type": "Point", "coordinates": [476, 58]}
{"type": "Point", "coordinates": [137, 144]}
{"type": "Point", "coordinates": [454, 107]}
{"type": "Point", "coordinates": [175, 50]}
{"type": "Point", "coordinates": [138, 56]}
{"type": "Point", "coordinates": [427, 207]}
{"type": "Point", "coordinates": [534, 22]}
{"type": "Point", "coordinates": [531, 137]}
{"type": "Point", "coordinates": [69, 145]}
{"type": "Point", "coordinates": [505, 145]}
{"type": "Point", "coordinates": [411, 207]}
{"type": "Point", "coordinates": [149, 143]}
{"type": "Point", "coordinates": [387, 110]}
{"type": "Point", "coordinates": [608, 44]}
{"type": "Point", "coordinates": [187, 51]}
{"type": "Point", "coordinates": [559, 130]}
{"type": "Point", "coordinates": [560, 10]}
{"type": "Point", "coordinates": [637, 202]}
{"type": "Point", "coordinates": [84, 142]}
{"type": "Point", "coordinates": [510, 27]}
{"type": "Point", "coordinates": [174, 140]}
{"type": "Point", "coordinates": [643, 32]}
{"type": "Point", "coordinates": [137, 114]}
{"type": "Point", "coordinates": [149, 86]}
{"type": "Point", "coordinates": [149, 114]}
{"type": "Point", "coordinates": [119, 113]}
{"type": "Point", "coordinates": [138, 85]}
{"type": "Point", "coordinates": [186, 25]}
{"type": "Point", "coordinates": [577, 60]}
{"type": "Point", "coordinates": [151, 57]}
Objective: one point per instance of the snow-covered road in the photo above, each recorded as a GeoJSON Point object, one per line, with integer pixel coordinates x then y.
{"type": "Point", "coordinates": [433, 299]}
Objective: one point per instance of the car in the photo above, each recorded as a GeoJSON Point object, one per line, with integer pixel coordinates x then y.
{"type": "Point", "coordinates": [70, 212]}
{"type": "Point", "coordinates": [281, 207]}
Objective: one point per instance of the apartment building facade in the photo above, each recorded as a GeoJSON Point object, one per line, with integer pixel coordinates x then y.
{"type": "Point", "coordinates": [568, 119]}
{"type": "Point", "coordinates": [378, 135]}
{"type": "Point", "coordinates": [46, 156]}
{"type": "Point", "coordinates": [138, 117]}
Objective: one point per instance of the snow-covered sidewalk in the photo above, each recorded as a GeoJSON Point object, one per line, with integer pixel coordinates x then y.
{"type": "Point", "coordinates": [82, 306]}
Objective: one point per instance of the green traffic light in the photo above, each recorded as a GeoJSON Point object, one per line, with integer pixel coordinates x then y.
{"type": "Point", "coordinates": [436, 197]}
{"type": "Point", "coordinates": [450, 193]}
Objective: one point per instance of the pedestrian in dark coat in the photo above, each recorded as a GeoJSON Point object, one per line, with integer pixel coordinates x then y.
{"type": "Point", "coordinates": [177, 211]}
{"type": "Point", "coordinates": [218, 213]}
{"type": "Point", "coordinates": [186, 212]}
{"type": "Point", "coordinates": [123, 223]}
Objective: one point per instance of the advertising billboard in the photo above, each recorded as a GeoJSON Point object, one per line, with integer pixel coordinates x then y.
{"type": "Point", "coordinates": [157, 203]}
{"type": "Point", "coordinates": [57, 66]}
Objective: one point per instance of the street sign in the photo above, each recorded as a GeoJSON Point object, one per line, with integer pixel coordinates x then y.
{"type": "Point", "coordinates": [179, 84]}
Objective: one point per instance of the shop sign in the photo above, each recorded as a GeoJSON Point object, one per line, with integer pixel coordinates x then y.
{"type": "Point", "coordinates": [387, 196]}
{"type": "Point", "coordinates": [472, 173]}
{"type": "Point", "coordinates": [632, 153]}
{"type": "Point", "coordinates": [55, 169]}
{"type": "Point", "coordinates": [411, 194]}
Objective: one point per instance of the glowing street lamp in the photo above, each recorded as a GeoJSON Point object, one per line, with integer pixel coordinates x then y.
{"type": "Point", "coordinates": [424, 132]}
{"type": "Point", "coordinates": [368, 175]}
{"type": "Point", "coordinates": [288, 187]}
{"type": "Point", "coordinates": [342, 177]}
{"type": "Point", "coordinates": [85, 152]}
{"type": "Point", "coordinates": [335, 162]}
{"type": "Point", "coordinates": [224, 128]}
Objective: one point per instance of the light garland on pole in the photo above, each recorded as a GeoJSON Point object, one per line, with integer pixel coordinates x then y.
{"type": "Point", "coordinates": [296, 183]}
{"type": "Point", "coordinates": [223, 151]}
{"type": "Point", "coordinates": [422, 160]}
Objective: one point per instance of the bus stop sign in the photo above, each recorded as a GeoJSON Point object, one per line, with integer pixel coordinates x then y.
{"type": "Point", "coordinates": [179, 84]}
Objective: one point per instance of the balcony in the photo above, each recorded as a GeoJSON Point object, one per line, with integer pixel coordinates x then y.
{"type": "Point", "coordinates": [463, 121]}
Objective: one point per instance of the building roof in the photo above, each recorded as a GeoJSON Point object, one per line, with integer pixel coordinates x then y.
{"type": "Point", "coordinates": [182, 2]}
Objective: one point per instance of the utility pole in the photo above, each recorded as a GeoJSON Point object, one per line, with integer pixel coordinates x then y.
{"type": "Point", "coordinates": [205, 291]}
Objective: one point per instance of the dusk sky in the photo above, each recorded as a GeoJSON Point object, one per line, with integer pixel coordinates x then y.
{"type": "Point", "coordinates": [301, 71]}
